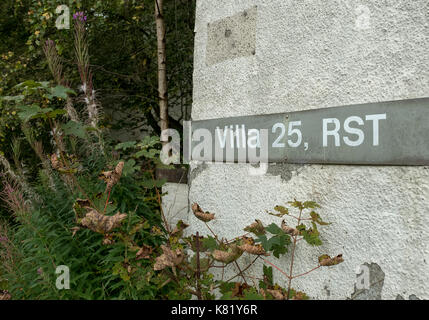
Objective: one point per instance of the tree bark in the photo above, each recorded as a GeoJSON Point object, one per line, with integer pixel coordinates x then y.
{"type": "Point", "coordinates": [162, 68]}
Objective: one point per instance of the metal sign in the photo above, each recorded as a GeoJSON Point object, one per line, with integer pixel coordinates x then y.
{"type": "Point", "coordinates": [385, 133]}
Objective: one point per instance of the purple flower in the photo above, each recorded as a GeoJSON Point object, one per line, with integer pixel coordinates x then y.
{"type": "Point", "coordinates": [79, 16]}
{"type": "Point", "coordinates": [49, 42]}
{"type": "Point", "coordinates": [3, 239]}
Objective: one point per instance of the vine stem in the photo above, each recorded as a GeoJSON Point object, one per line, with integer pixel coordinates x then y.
{"type": "Point", "coordinates": [107, 201]}
{"type": "Point", "coordinates": [303, 274]}
{"type": "Point", "coordinates": [235, 262]}
{"type": "Point", "coordinates": [232, 278]}
{"type": "Point", "coordinates": [197, 274]}
{"type": "Point", "coordinates": [272, 264]}
{"type": "Point", "coordinates": [293, 258]}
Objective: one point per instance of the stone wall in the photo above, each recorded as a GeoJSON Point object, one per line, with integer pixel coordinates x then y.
{"type": "Point", "coordinates": [260, 57]}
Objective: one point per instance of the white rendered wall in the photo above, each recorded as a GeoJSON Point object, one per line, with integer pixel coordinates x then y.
{"type": "Point", "coordinates": [319, 54]}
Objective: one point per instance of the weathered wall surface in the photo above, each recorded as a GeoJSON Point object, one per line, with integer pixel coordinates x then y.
{"type": "Point", "coordinates": [295, 55]}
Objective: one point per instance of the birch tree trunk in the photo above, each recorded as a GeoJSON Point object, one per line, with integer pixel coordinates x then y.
{"type": "Point", "coordinates": [162, 69]}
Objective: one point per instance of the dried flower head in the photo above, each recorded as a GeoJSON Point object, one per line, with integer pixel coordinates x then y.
{"type": "Point", "coordinates": [112, 177]}
{"type": "Point", "coordinates": [101, 223]}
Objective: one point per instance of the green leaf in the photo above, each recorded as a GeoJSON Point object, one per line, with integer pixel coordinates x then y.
{"type": "Point", "coordinates": [252, 294]}
{"type": "Point", "coordinates": [283, 211]}
{"type": "Point", "coordinates": [268, 273]}
{"type": "Point", "coordinates": [311, 236]}
{"type": "Point", "coordinates": [209, 243]}
{"type": "Point", "coordinates": [31, 84]}
{"type": "Point", "coordinates": [17, 98]}
{"type": "Point", "coordinates": [129, 168]}
{"type": "Point", "coordinates": [310, 205]}
{"type": "Point", "coordinates": [277, 244]}
{"type": "Point", "coordinates": [226, 287]}
{"type": "Point", "coordinates": [316, 218]}
{"type": "Point", "coordinates": [296, 204]}
{"type": "Point", "coordinates": [274, 229]}
{"type": "Point", "coordinates": [125, 145]}
{"type": "Point", "coordinates": [59, 92]}
{"type": "Point", "coordinates": [74, 128]}
{"type": "Point", "coordinates": [54, 113]}
{"type": "Point", "coordinates": [29, 112]}
{"type": "Point", "coordinates": [152, 184]}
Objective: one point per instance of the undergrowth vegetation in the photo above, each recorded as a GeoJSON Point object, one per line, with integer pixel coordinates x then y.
{"type": "Point", "coordinates": [71, 197]}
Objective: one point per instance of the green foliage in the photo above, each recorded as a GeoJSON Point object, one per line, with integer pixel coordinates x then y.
{"type": "Point", "coordinates": [44, 239]}
{"type": "Point", "coordinates": [282, 211]}
{"type": "Point", "coordinates": [278, 243]}
{"type": "Point", "coordinates": [125, 79]}
{"type": "Point", "coordinates": [310, 235]}
{"type": "Point", "coordinates": [74, 128]}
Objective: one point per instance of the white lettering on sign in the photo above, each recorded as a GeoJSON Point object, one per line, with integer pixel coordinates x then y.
{"type": "Point", "coordinates": [355, 131]}
{"type": "Point", "coordinates": [254, 140]}
{"type": "Point", "coordinates": [375, 118]}
{"type": "Point", "coordinates": [238, 137]}
{"type": "Point", "coordinates": [333, 131]}
{"type": "Point", "coordinates": [277, 143]}
{"type": "Point", "coordinates": [292, 131]}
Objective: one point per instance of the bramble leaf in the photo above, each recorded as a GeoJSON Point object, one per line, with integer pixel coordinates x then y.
{"type": "Point", "coordinates": [311, 236]}
{"type": "Point", "coordinates": [228, 256]}
{"type": "Point", "coordinates": [326, 261]}
{"type": "Point", "coordinates": [257, 228]}
{"type": "Point", "coordinates": [316, 218]}
{"type": "Point", "coordinates": [200, 214]}
{"type": "Point", "coordinates": [283, 211]}
{"type": "Point", "coordinates": [296, 204]}
{"type": "Point", "coordinates": [310, 205]}
{"type": "Point", "coordinates": [274, 229]}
